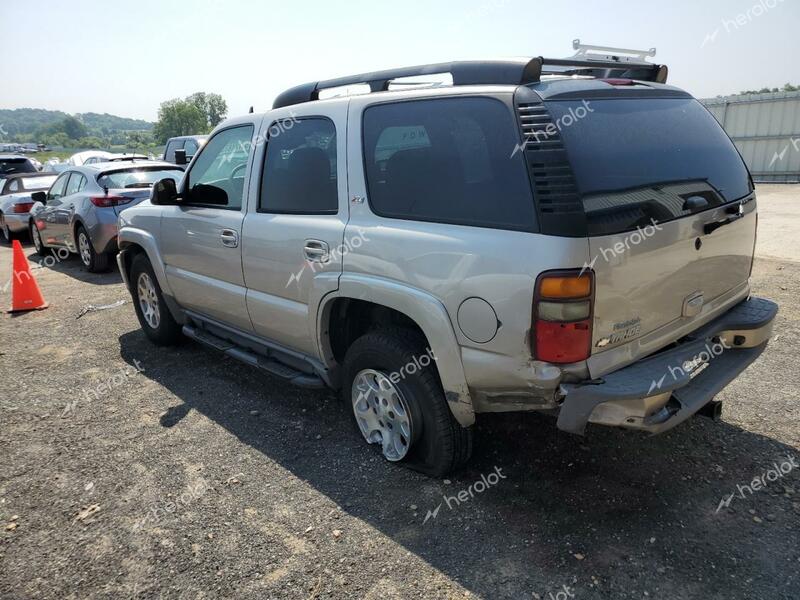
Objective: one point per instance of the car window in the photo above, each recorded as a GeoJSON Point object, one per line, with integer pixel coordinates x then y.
{"type": "Point", "coordinates": [76, 184]}
{"type": "Point", "coordinates": [37, 183]}
{"type": "Point", "coordinates": [222, 164]}
{"type": "Point", "coordinates": [57, 191]}
{"type": "Point", "coordinates": [137, 177]}
{"type": "Point", "coordinates": [299, 174]}
{"type": "Point", "coordinates": [13, 186]}
{"type": "Point", "coordinates": [191, 148]}
{"type": "Point", "coordinates": [169, 151]}
{"type": "Point", "coordinates": [16, 165]}
{"type": "Point", "coordinates": [447, 160]}
{"type": "Point", "coordinates": [2, 184]}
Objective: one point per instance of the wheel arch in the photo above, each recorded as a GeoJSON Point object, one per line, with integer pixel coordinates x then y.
{"type": "Point", "coordinates": [398, 304]}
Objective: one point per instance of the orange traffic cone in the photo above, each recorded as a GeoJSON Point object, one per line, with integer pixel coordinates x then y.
{"type": "Point", "coordinates": [25, 293]}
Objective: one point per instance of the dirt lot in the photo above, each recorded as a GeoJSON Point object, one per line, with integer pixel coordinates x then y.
{"type": "Point", "coordinates": [200, 478]}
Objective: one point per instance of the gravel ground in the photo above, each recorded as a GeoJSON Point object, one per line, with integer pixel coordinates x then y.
{"type": "Point", "coordinates": [129, 471]}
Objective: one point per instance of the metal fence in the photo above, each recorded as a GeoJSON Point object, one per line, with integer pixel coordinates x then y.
{"type": "Point", "coordinates": [766, 129]}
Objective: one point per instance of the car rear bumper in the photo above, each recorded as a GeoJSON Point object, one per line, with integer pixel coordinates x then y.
{"type": "Point", "coordinates": [17, 222]}
{"type": "Point", "coordinates": [659, 392]}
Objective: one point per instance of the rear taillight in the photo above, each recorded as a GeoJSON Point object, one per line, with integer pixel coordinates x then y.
{"type": "Point", "coordinates": [23, 207]}
{"type": "Point", "coordinates": [107, 201]}
{"type": "Point", "coordinates": [562, 316]}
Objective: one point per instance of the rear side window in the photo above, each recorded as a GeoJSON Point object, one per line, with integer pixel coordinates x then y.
{"type": "Point", "coordinates": [447, 160]}
{"type": "Point", "coordinates": [169, 151]}
{"type": "Point", "coordinates": [299, 173]}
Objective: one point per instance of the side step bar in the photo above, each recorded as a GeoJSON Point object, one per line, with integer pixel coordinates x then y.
{"type": "Point", "coordinates": [269, 364]}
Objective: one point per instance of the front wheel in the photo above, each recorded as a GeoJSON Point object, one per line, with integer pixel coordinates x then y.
{"type": "Point", "coordinates": [154, 317]}
{"type": "Point", "coordinates": [393, 388]}
{"type": "Point", "coordinates": [8, 237]}
{"type": "Point", "coordinates": [38, 244]}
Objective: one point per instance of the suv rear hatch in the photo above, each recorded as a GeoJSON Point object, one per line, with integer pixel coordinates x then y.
{"type": "Point", "coordinates": [667, 205]}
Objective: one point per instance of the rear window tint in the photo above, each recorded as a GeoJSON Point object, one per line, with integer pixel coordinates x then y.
{"type": "Point", "coordinates": [637, 160]}
{"type": "Point", "coordinates": [447, 160]}
{"type": "Point", "coordinates": [9, 166]}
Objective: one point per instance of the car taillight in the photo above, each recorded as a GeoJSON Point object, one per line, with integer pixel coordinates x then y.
{"type": "Point", "coordinates": [23, 207]}
{"type": "Point", "coordinates": [107, 201]}
{"type": "Point", "coordinates": [562, 316]}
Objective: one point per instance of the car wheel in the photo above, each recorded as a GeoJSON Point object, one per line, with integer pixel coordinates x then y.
{"type": "Point", "coordinates": [38, 244]}
{"type": "Point", "coordinates": [393, 389]}
{"type": "Point", "coordinates": [8, 237]}
{"type": "Point", "coordinates": [95, 262]}
{"type": "Point", "coordinates": [154, 316]}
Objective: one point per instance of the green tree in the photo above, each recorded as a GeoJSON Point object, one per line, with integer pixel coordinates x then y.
{"type": "Point", "coordinates": [213, 107]}
{"type": "Point", "coordinates": [179, 117]}
{"type": "Point", "coordinates": [73, 128]}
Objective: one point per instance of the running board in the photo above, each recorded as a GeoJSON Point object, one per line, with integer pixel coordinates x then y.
{"type": "Point", "coordinates": [268, 364]}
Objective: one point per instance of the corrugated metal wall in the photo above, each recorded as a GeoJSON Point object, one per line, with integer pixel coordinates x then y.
{"type": "Point", "coordinates": [766, 129]}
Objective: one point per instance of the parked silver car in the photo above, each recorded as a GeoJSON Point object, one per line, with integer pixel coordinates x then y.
{"type": "Point", "coordinates": [16, 202]}
{"type": "Point", "coordinates": [572, 236]}
{"type": "Point", "coordinates": [79, 212]}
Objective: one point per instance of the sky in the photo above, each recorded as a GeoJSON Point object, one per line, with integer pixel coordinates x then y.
{"type": "Point", "coordinates": [127, 58]}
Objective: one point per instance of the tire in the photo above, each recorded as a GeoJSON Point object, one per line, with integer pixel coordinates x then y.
{"type": "Point", "coordinates": [36, 239]}
{"type": "Point", "coordinates": [438, 444]}
{"type": "Point", "coordinates": [5, 232]}
{"type": "Point", "coordinates": [95, 262]}
{"type": "Point", "coordinates": [160, 327]}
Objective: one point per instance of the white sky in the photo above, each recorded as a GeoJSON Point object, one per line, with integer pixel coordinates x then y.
{"type": "Point", "coordinates": [126, 58]}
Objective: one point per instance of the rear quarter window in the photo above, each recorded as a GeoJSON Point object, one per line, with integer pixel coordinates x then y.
{"type": "Point", "coordinates": [447, 160]}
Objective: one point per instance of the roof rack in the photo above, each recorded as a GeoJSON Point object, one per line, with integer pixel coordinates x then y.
{"type": "Point", "coordinates": [497, 72]}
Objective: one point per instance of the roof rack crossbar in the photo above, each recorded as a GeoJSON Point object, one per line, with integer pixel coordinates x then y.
{"type": "Point", "coordinates": [492, 72]}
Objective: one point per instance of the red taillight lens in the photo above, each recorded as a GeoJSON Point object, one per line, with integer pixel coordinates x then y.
{"type": "Point", "coordinates": [562, 315]}
{"type": "Point", "coordinates": [23, 207]}
{"type": "Point", "coordinates": [618, 81]}
{"type": "Point", "coordinates": [107, 201]}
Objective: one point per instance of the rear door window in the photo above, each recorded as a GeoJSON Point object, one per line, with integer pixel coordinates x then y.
{"type": "Point", "coordinates": [299, 175]}
{"type": "Point", "coordinates": [169, 151]}
{"type": "Point", "coordinates": [76, 184]}
{"type": "Point", "coordinates": [447, 160]}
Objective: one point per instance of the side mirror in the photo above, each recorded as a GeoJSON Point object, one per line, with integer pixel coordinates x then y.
{"type": "Point", "coordinates": [164, 192]}
{"type": "Point", "coordinates": [39, 197]}
{"type": "Point", "coordinates": [180, 157]}
{"type": "Point", "coordinates": [208, 194]}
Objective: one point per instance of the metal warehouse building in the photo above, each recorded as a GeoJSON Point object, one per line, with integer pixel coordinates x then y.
{"type": "Point", "coordinates": [766, 129]}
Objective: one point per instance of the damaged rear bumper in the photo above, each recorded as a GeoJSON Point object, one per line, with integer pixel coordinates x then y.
{"type": "Point", "coordinates": [659, 392]}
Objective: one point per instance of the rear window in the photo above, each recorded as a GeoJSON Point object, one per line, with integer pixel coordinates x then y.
{"type": "Point", "coordinates": [640, 159]}
{"type": "Point", "coordinates": [133, 178]}
{"type": "Point", "coordinates": [447, 160]}
{"type": "Point", "coordinates": [16, 165]}
{"type": "Point", "coordinates": [38, 183]}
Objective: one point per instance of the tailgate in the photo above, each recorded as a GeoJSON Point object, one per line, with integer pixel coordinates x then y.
{"type": "Point", "coordinates": [671, 219]}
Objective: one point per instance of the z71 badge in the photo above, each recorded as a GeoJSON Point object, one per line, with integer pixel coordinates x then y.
{"type": "Point", "coordinates": [622, 331]}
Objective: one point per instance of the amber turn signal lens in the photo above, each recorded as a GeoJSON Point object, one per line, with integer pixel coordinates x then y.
{"type": "Point", "coordinates": [565, 287]}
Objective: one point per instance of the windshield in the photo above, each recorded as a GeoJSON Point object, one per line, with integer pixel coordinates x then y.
{"type": "Point", "coordinates": [133, 178]}
{"type": "Point", "coordinates": [16, 165]}
{"type": "Point", "coordinates": [38, 183]}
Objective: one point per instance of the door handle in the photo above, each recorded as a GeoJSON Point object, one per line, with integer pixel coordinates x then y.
{"type": "Point", "coordinates": [229, 238]}
{"type": "Point", "coordinates": [316, 250]}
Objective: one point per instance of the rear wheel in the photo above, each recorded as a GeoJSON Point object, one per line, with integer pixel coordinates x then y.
{"type": "Point", "coordinates": [393, 389]}
{"type": "Point", "coordinates": [95, 262]}
{"type": "Point", "coordinates": [154, 316]}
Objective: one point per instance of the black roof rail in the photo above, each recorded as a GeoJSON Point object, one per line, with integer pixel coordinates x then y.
{"type": "Point", "coordinates": [491, 72]}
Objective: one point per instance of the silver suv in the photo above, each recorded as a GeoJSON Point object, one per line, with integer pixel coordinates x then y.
{"type": "Point", "coordinates": [571, 236]}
